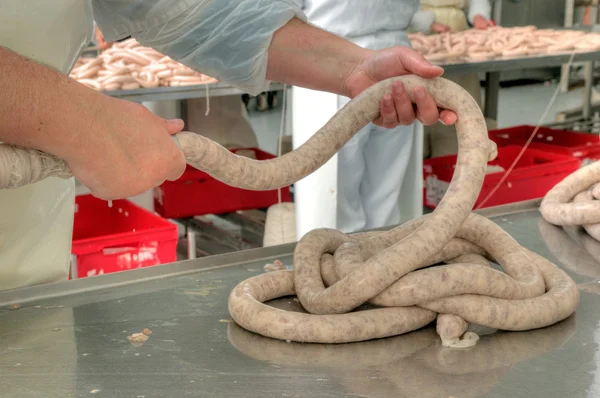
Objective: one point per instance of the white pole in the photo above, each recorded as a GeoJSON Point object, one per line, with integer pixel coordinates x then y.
{"type": "Point", "coordinates": [316, 195]}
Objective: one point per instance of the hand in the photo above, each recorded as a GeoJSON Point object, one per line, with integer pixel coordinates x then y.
{"type": "Point", "coordinates": [125, 150]}
{"type": "Point", "coordinates": [396, 107]}
{"type": "Point", "coordinates": [482, 23]}
{"type": "Point", "coordinates": [437, 27]}
{"type": "Point", "coordinates": [100, 42]}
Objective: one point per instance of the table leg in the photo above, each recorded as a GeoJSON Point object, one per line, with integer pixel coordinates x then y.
{"type": "Point", "coordinates": [589, 70]}
{"type": "Point", "coordinates": [492, 91]}
{"type": "Point", "coordinates": [587, 90]}
{"type": "Point", "coordinates": [565, 70]}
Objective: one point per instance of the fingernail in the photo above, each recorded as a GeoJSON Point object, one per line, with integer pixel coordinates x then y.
{"type": "Point", "coordinates": [177, 123]}
{"type": "Point", "coordinates": [443, 122]}
{"type": "Point", "coordinates": [398, 88]}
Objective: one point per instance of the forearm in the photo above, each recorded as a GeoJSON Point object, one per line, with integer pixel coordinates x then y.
{"type": "Point", "coordinates": [303, 55]}
{"type": "Point", "coordinates": [37, 104]}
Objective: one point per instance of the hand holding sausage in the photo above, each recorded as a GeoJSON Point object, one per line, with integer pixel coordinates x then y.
{"type": "Point", "coordinates": [396, 107]}
{"type": "Point", "coordinates": [125, 150]}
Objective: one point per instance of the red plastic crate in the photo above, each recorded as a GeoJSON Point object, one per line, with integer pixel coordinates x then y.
{"type": "Point", "coordinates": [197, 193]}
{"type": "Point", "coordinates": [533, 176]}
{"type": "Point", "coordinates": [118, 238]}
{"type": "Point", "coordinates": [580, 145]}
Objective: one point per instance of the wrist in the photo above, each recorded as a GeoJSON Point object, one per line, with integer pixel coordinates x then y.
{"type": "Point", "coordinates": [353, 74]}
{"type": "Point", "coordinates": [303, 55]}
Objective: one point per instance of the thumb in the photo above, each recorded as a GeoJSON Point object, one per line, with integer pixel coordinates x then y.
{"type": "Point", "coordinates": [416, 64]}
{"type": "Point", "coordinates": [174, 126]}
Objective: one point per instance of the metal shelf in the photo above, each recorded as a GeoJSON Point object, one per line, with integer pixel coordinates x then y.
{"type": "Point", "coordinates": [507, 64]}
{"type": "Point", "coordinates": [180, 93]}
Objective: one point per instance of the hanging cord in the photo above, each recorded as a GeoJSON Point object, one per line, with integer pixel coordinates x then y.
{"type": "Point", "coordinates": [281, 128]}
{"type": "Point", "coordinates": [279, 150]}
{"type": "Point", "coordinates": [533, 134]}
{"type": "Point", "coordinates": [207, 100]}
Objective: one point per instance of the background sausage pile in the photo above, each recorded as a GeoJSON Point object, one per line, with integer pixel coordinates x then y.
{"type": "Point", "coordinates": [498, 42]}
{"type": "Point", "coordinates": [128, 66]}
{"type": "Point", "coordinates": [575, 201]}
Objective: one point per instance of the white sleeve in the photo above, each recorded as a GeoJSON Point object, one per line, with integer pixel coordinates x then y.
{"type": "Point", "coordinates": [421, 21]}
{"type": "Point", "coordinates": [225, 39]}
{"type": "Point", "coordinates": [482, 7]}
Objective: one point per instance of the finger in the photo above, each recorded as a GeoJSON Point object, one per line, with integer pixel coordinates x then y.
{"type": "Point", "coordinates": [448, 117]}
{"type": "Point", "coordinates": [416, 64]}
{"type": "Point", "coordinates": [388, 117]}
{"type": "Point", "coordinates": [404, 111]}
{"type": "Point", "coordinates": [174, 126]}
{"type": "Point", "coordinates": [427, 110]}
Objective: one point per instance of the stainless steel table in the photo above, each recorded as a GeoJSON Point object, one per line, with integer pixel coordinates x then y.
{"type": "Point", "coordinates": [492, 69]}
{"type": "Point", "coordinates": [70, 339]}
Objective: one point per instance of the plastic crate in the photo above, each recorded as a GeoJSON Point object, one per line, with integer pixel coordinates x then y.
{"type": "Point", "coordinates": [197, 193]}
{"type": "Point", "coordinates": [580, 145]}
{"type": "Point", "coordinates": [118, 238]}
{"type": "Point", "coordinates": [533, 176]}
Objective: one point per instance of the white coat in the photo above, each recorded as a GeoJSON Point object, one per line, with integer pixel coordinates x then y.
{"type": "Point", "coordinates": [377, 165]}
{"type": "Point", "coordinates": [457, 14]}
{"type": "Point", "coordinates": [227, 40]}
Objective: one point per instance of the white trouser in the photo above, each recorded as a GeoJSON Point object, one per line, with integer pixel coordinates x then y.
{"type": "Point", "coordinates": [371, 170]}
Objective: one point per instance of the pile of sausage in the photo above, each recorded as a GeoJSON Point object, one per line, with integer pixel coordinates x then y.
{"type": "Point", "coordinates": [436, 267]}
{"type": "Point", "coordinates": [499, 42]}
{"type": "Point", "coordinates": [575, 201]}
{"type": "Point", "coordinates": [128, 66]}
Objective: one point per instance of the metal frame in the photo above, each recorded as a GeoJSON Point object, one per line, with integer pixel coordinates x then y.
{"type": "Point", "coordinates": [181, 93]}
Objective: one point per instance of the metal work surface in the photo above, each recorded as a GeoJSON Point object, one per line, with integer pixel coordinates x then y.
{"type": "Point", "coordinates": [506, 64]}
{"type": "Point", "coordinates": [75, 344]}
{"type": "Point", "coordinates": [181, 93]}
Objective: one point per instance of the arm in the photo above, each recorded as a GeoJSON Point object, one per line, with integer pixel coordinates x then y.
{"type": "Point", "coordinates": [305, 56]}
{"type": "Point", "coordinates": [249, 42]}
{"type": "Point", "coordinates": [116, 148]}
{"type": "Point", "coordinates": [225, 39]}
{"type": "Point", "coordinates": [26, 90]}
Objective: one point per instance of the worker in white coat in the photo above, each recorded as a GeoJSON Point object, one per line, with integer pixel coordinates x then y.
{"type": "Point", "coordinates": [118, 148]}
{"type": "Point", "coordinates": [372, 167]}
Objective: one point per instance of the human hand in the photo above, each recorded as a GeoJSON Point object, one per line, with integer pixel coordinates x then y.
{"type": "Point", "coordinates": [482, 23]}
{"type": "Point", "coordinates": [396, 106]}
{"type": "Point", "coordinates": [100, 41]}
{"type": "Point", "coordinates": [125, 150]}
{"type": "Point", "coordinates": [437, 27]}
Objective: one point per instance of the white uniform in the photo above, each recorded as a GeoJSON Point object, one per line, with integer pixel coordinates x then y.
{"type": "Point", "coordinates": [224, 39]}
{"type": "Point", "coordinates": [457, 14]}
{"type": "Point", "coordinates": [372, 166]}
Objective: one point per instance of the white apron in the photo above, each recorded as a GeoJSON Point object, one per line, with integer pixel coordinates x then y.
{"type": "Point", "coordinates": [36, 221]}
